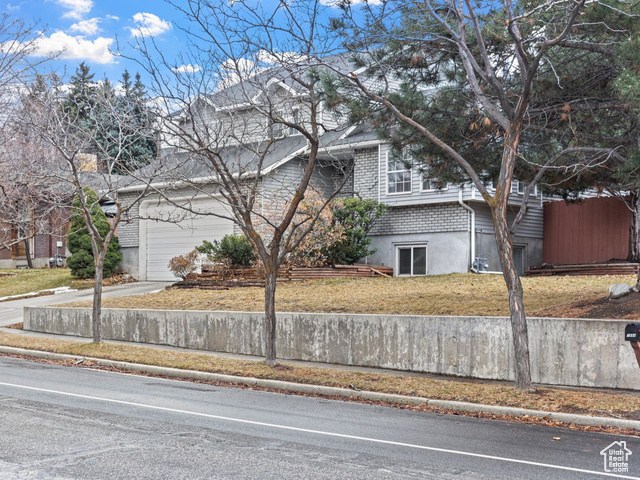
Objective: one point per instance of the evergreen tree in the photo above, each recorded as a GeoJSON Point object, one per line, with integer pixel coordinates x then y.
{"type": "Point", "coordinates": [125, 117]}
{"type": "Point", "coordinates": [355, 217]}
{"type": "Point", "coordinates": [126, 83]}
{"type": "Point", "coordinates": [81, 98]}
{"type": "Point", "coordinates": [81, 262]}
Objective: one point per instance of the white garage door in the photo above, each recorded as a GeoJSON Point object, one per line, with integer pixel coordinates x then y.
{"type": "Point", "coordinates": [166, 240]}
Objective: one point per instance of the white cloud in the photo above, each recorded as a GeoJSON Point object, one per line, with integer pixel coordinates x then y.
{"type": "Point", "coordinates": [187, 68]}
{"type": "Point", "coordinates": [88, 27]}
{"type": "Point", "coordinates": [234, 70]}
{"type": "Point", "coordinates": [13, 7]}
{"type": "Point", "coordinates": [76, 9]}
{"type": "Point", "coordinates": [148, 25]}
{"type": "Point", "coordinates": [74, 48]}
{"type": "Point", "coordinates": [115, 18]}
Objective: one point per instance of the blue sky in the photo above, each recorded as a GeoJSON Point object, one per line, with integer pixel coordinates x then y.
{"type": "Point", "coordinates": [91, 30]}
{"type": "Point", "coordinates": [87, 30]}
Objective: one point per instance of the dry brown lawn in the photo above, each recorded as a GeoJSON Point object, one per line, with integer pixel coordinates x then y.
{"type": "Point", "coordinates": [617, 405]}
{"type": "Point", "coordinates": [460, 294]}
{"type": "Point", "coordinates": [21, 281]}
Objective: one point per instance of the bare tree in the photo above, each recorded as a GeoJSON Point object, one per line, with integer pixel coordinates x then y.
{"type": "Point", "coordinates": [22, 200]}
{"type": "Point", "coordinates": [30, 205]}
{"type": "Point", "coordinates": [247, 98]}
{"type": "Point", "coordinates": [493, 55]}
{"type": "Point", "coordinates": [85, 165]}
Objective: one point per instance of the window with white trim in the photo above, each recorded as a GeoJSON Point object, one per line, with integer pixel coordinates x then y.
{"type": "Point", "coordinates": [295, 118]}
{"type": "Point", "coordinates": [411, 260]}
{"type": "Point", "coordinates": [276, 130]}
{"type": "Point", "coordinates": [433, 184]}
{"type": "Point", "coordinates": [398, 176]}
{"type": "Point", "coordinates": [522, 186]}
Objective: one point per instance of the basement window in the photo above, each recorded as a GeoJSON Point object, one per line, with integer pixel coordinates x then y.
{"type": "Point", "coordinates": [411, 260]}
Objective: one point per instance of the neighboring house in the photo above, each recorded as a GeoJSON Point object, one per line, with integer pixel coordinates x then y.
{"type": "Point", "coordinates": [43, 229]}
{"type": "Point", "coordinates": [47, 237]}
{"type": "Point", "coordinates": [428, 228]}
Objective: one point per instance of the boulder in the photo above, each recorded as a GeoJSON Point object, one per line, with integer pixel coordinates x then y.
{"type": "Point", "coordinates": [619, 290]}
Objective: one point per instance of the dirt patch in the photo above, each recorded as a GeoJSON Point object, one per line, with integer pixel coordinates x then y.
{"type": "Point", "coordinates": [626, 308]}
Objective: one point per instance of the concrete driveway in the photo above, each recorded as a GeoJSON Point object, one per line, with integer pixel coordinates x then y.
{"type": "Point", "coordinates": [11, 312]}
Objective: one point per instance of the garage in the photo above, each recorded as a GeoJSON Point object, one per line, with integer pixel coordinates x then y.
{"type": "Point", "coordinates": [161, 240]}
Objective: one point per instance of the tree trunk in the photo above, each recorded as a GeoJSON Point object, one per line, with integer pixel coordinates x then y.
{"type": "Point", "coordinates": [270, 277]}
{"type": "Point", "coordinates": [634, 230]}
{"type": "Point", "coordinates": [97, 297]}
{"type": "Point", "coordinates": [516, 303]}
{"type": "Point", "coordinates": [27, 251]}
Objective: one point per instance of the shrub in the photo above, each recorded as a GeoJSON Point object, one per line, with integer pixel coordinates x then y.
{"type": "Point", "coordinates": [314, 249]}
{"type": "Point", "coordinates": [81, 261]}
{"type": "Point", "coordinates": [234, 250]}
{"type": "Point", "coordinates": [356, 217]}
{"type": "Point", "coordinates": [184, 265]}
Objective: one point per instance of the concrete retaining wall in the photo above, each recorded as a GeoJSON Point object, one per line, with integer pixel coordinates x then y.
{"type": "Point", "coordinates": [576, 352]}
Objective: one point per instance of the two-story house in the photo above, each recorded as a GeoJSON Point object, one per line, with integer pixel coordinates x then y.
{"type": "Point", "coordinates": [428, 228]}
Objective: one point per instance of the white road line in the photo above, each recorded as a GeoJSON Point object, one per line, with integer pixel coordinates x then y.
{"type": "Point", "coordinates": [319, 432]}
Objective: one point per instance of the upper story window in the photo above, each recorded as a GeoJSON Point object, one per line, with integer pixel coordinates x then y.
{"type": "Point", "coordinates": [522, 186]}
{"type": "Point", "coordinates": [295, 118]}
{"type": "Point", "coordinates": [399, 176]}
{"type": "Point", "coordinates": [433, 184]}
{"type": "Point", "coordinates": [275, 130]}
{"type": "Point", "coordinates": [488, 184]}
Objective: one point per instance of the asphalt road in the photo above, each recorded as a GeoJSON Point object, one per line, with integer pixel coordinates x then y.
{"type": "Point", "coordinates": [69, 423]}
{"type": "Point", "coordinates": [11, 311]}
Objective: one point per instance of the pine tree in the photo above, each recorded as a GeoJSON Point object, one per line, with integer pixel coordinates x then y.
{"type": "Point", "coordinates": [127, 117]}
{"type": "Point", "coordinates": [81, 97]}
{"type": "Point", "coordinates": [126, 83]}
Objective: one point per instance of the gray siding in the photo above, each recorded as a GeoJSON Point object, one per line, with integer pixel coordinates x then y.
{"type": "Point", "coordinates": [450, 194]}
{"type": "Point", "coordinates": [129, 230]}
{"type": "Point", "coordinates": [416, 196]}
{"type": "Point", "coordinates": [532, 225]}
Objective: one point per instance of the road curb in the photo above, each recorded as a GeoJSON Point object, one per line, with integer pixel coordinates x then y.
{"type": "Point", "coordinates": [333, 391]}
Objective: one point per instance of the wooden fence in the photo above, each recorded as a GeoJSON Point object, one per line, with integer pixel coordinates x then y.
{"type": "Point", "coordinates": [249, 277]}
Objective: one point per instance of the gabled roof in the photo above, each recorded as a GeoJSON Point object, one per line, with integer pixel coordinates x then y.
{"type": "Point", "coordinates": [177, 166]}
{"type": "Point", "coordinates": [251, 89]}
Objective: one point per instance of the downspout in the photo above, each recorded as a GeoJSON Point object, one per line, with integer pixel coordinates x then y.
{"type": "Point", "coordinates": [473, 228]}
